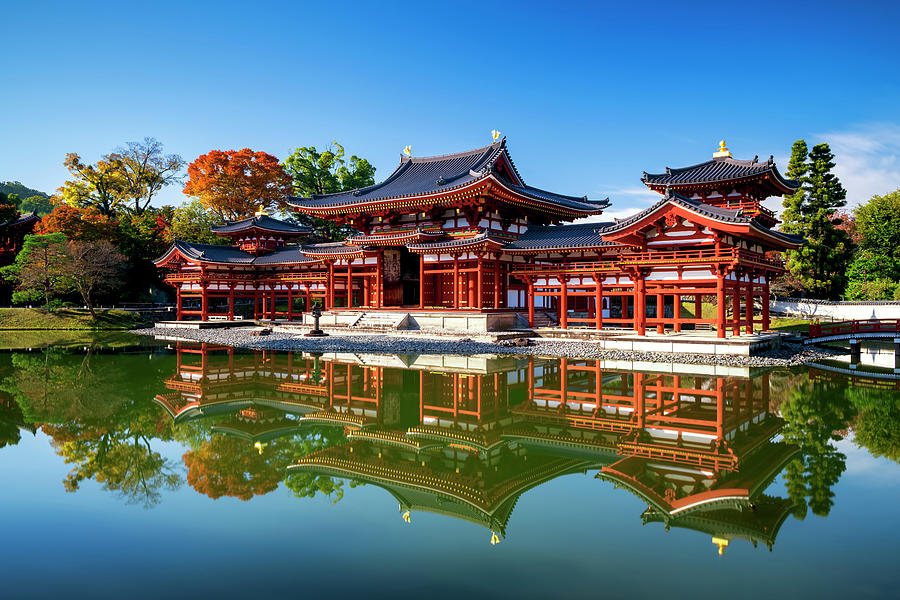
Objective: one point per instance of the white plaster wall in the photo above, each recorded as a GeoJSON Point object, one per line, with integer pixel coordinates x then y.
{"type": "Point", "coordinates": [837, 310]}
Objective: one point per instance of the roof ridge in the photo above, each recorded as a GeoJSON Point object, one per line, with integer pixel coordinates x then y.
{"type": "Point", "coordinates": [440, 157]}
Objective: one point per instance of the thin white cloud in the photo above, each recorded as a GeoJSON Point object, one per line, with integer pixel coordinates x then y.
{"type": "Point", "coordinates": [867, 159]}
{"type": "Point", "coordinates": [624, 203]}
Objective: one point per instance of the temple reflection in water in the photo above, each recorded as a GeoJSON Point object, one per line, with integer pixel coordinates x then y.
{"type": "Point", "coordinates": [467, 436]}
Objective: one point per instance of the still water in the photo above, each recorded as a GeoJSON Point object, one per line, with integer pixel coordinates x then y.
{"type": "Point", "coordinates": [197, 471]}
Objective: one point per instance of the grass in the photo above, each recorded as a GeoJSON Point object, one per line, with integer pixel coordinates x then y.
{"type": "Point", "coordinates": [67, 319]}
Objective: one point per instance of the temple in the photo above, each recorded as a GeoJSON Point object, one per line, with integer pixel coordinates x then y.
{"type": "Point", "coordinates": [461, 241]}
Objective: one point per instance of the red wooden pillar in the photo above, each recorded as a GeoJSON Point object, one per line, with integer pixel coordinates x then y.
{"type": "Point", "coordinates": [178, 302]}
{"type": "Point", "coordinates": [349, 283]}
{"type": "Point", "coordinates": [598, 300]}
{"type": "Point", "coordinates": [563, 302]}
{"type": "Point", "coordinates": [640, 306]}
{"type": "Point", "coordinates": [204, 301]}
{"type": "Point", "coordinates": [290, 302]}
{"type": "Point", "coordinates": [660, 312]}
{"type": "Point", "coordinates": [379, 293]}
{"type": "Point", "coordinates": [421, 281]}
{"type": "Point", "coordinates": [456, 281]}
{"type": "Point", "coordinates": [479, 274]}
{"type": "Point", "coordinates": [231, 301]}
{"type": "Point", "coordinates": [720, 304]}
{"type": "Point", "coordinates": [498, 284]}
{"type": "Point", "coordinates": [272, 308]}
{"type": "Point", "coordinates": [765, 304]}
{"type": "Point", "coordinates": [749, 300]}
{"type": "Point", "coordinates": [329, 288]}
{"type": "Point", "coordinates": [624, 300]}
{"type": "Point", "coordinates": [698, 306]}
{"type": "Point", "coordinates": [736, 306]}
{"type": "Point", "coordinates": [676, 311]}
{"type": "Point", "coordinates": [530, 301]}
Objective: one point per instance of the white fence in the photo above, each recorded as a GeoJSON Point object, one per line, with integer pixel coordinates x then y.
{"type": "Point", "coordinates": [825, 310]}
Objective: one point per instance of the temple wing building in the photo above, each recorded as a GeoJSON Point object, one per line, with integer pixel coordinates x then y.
{"type": "Point", "coordinates": [463, 235]}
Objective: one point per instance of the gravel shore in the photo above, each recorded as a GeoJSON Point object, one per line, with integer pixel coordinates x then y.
{"type": "Point", "coordinates": [240, 337]}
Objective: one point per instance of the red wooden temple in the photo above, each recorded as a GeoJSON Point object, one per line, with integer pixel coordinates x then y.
{"type": "Point", "coordinates": [464, 234]}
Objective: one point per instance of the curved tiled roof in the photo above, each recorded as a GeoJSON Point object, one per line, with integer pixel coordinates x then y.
{"type": "Point", "coordinates": [264, 222]}
{"type": "Point", "coordinates": [481, 238]}
{"type": "Point", "coordinates": [719, 169]}
{"type": "Point", "coordinates": [22, 219]}
{"type": "Point", "coordinates": [438, 174]}
{"type": "Point", "coordinates": [725, 215]}
{"type": "Point", "coordinates": [331, 249]}
{"type": "Point", "coordinates": [565, 237]}
{"type": "Point", "coordinates": [230, 255]}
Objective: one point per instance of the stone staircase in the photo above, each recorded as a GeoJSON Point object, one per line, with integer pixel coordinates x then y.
{"type": "Point", "coordinates": [380, 321]}
{"type": "Point", "coordinates": [541, 319]}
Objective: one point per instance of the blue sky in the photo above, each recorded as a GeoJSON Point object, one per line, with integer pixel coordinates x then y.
{"type": "Point", "coordinates": [589, 95]}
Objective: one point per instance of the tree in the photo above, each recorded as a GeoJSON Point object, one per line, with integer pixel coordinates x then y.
{"type": "Point", "coordinates": [877, 427]}
{"type": "Point", "coordinates": [39, 205]}
{"type": "Point", "coordinates": [39, 268]}
{"type": "Point", "coordinates": [93, 268]}
{"type": "Point", "coordinates": [874, 273]}
{"type": "Point", "coordinates": [85, 224]}
{"type": "Point", "coordinates": [237, 183]}
{"type": "Point", "coordinates": [102, 186]}
{"type": "Point", "coordinates": [326, 172]}
{"type": "Point", "coordinates": [820, 264]}
{"type": "Point", "coordinates": [146, 170]}
{"type": "Point", "coordinates": [192, 222]}
{"type": "Point", "coordinates": [228, 466]}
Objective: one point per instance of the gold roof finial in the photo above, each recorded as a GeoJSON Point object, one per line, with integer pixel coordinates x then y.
{"type": "Point", "coordinates": [406, 517]}
{"type": "Point", "coordinates": [262, 211]}
{"type": "Point", "coordinates": [495, 134]}
{"type": "Point", "coordinates": [408, 150]}
{"type": "Point", "coordinates": [495, 539]}
{"type": "Point", "coordinates": [722, 543]}
{"type": "Point", "coordinates": [259, 446]}
{"type": "Point", "coordinates": [722, 151]}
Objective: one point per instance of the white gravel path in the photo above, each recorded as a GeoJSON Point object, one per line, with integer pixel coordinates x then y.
{"type": "Point", "coordinates": [788, 355]}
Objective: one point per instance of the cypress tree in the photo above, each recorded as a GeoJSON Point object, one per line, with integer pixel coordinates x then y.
{"type": "Point", "coordinates": [820, 264]}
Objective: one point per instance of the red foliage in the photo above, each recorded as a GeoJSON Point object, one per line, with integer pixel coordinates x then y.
{"type": "Point", "coordinates": [78, 224]}
{"type": "Point", "coordinates": [236, 183]}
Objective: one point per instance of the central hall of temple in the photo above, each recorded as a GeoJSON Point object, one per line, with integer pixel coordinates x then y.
{"type": "Point", "coordinates": [463, 235]}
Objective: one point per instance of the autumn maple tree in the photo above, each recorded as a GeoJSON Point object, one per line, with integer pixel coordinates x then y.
{"type": "Point", "coordinates": [86, 224]}
{"type": "Point", "coordinates": [237, 183]}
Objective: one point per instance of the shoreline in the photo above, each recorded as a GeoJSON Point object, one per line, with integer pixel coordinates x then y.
{"type": "Point", "coordinates": [788, 355]}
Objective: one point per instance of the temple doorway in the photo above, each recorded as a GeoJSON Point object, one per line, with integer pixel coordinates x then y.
{"type": "Point", "coordinates": [400, 277]}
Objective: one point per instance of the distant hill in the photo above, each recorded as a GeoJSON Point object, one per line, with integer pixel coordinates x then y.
{"type": "Point", "coordinates": [27, 202]}
{"type": "Point", "coordinates": [16, 187]}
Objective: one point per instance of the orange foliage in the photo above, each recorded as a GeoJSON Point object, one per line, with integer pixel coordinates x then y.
{"type": "Point", "coordinates": [78, 224]}
{"type": "Point", "coordinates": [236, 183]}
{"type": "Point", "coordinates": [226, 466]}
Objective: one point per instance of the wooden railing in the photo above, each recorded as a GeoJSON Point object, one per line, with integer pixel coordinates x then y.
{"type": "Point", "coordinates": [861, 327]}
{"type": "Point", "coordinates": [650, 258]}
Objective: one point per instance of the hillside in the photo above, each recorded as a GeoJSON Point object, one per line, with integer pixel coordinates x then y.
{"type": "Point", "coordinates": [16, 187]}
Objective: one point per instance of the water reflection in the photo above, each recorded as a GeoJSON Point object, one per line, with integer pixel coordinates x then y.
{"type": "Point", "coordinates": [464, 437]}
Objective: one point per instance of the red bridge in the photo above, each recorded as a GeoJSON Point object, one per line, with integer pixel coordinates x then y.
{"type": "Point", "coordinates": [861, 329]}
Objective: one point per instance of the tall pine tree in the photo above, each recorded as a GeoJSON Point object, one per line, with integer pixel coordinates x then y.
{"type": "Point", "coordinates": [820, 264]}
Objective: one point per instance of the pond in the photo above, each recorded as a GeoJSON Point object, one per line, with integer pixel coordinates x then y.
{"type": "Point", "coordinates": [190, 470]}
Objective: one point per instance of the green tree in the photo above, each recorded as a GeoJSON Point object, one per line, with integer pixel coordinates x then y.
{"type": "Point", "coordinates": [820, 264]}
{"type": "Point", "coordinates": [193, 222]}
{"type": "Point", "coordinates": [326, 172]}
{"type": "Point", "coordinates": [39, 205]}
{"type": "Point", "coordinates": [875, 271]}
{"type": "Point", "coordinates": [39, 270]}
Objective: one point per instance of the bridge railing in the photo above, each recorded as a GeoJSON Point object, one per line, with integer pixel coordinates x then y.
{"type": "Point", "coordinates": [863, 326]}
